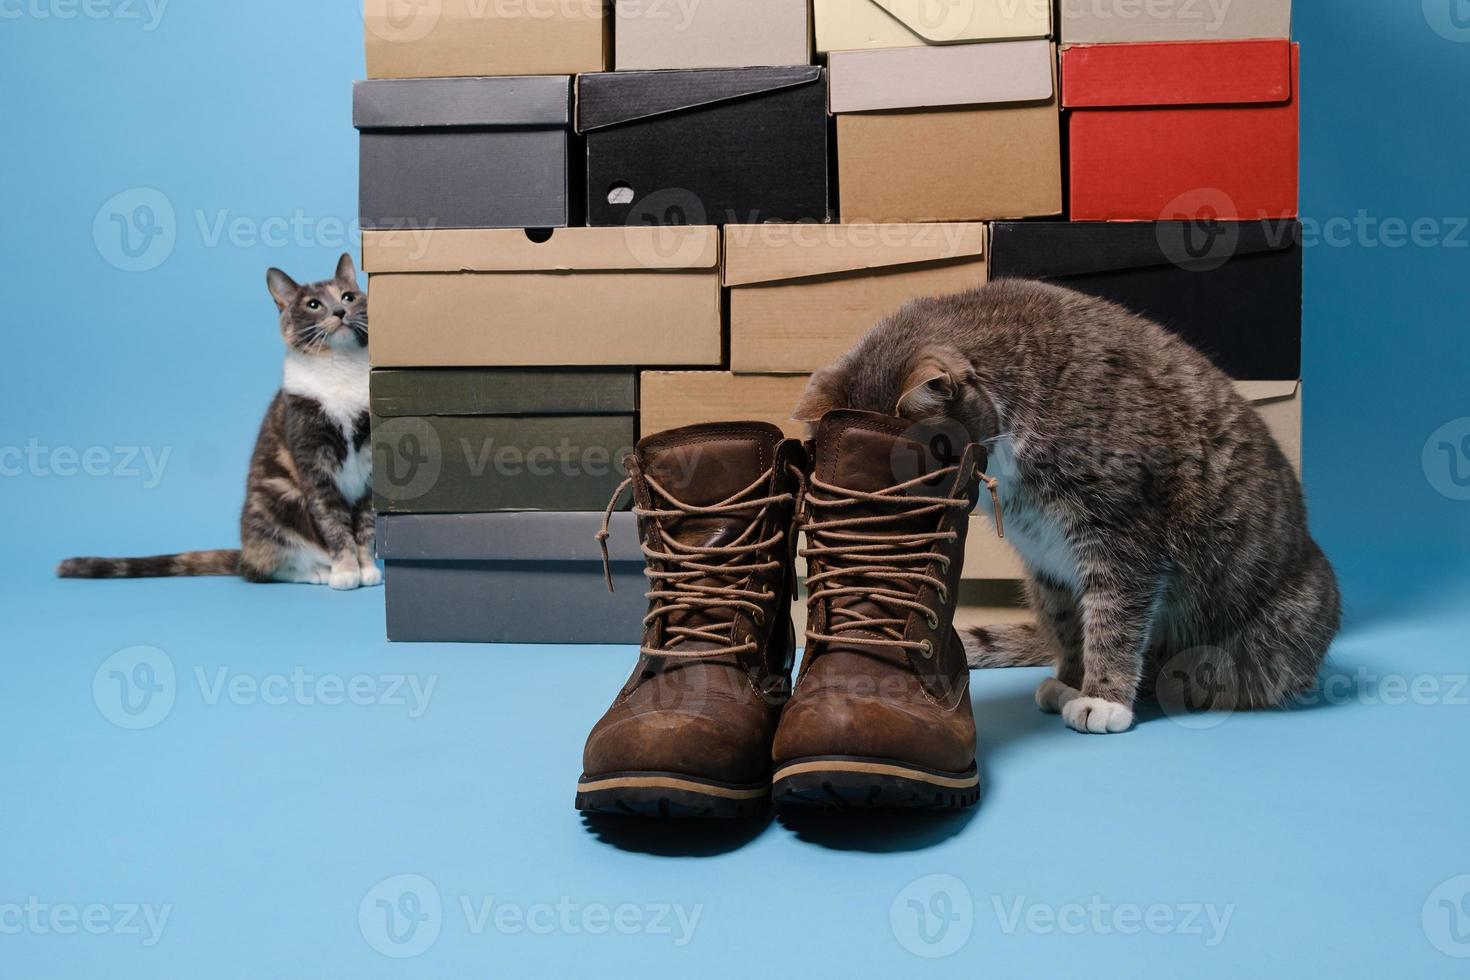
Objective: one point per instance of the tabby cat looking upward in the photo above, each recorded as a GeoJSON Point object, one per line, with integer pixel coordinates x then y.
{"type": "Point", "coordinates": [308, 513]}
{"type": "Point", "coordinates": [1162, 529]}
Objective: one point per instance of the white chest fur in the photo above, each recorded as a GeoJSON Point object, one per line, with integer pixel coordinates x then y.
{"type": "Point", "coordinates": [338, 382]}
{"type": "Point", "coordinates": [1038, 536]}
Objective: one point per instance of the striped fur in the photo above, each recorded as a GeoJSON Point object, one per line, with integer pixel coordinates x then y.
{"type": "Point", "coordinates": [308, 513]}
{"type": "Point", "coordinates": [1164, 532]}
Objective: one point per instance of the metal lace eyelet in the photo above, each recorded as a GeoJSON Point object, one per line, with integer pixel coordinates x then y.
{"type": "Point", "coordinates": [944, 594]}
{"type": "Point", "coordinates": [750, 641]}
{"type": "Point", "coordinates": [760, 617]}
{"type": "Point", "coordinates": [926, 649]}
{"type": "Point", "coordinates": [933, 621]}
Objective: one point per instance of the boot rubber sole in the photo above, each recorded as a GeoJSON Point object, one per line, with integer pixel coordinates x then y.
{"type": "Point", "coordinates": [848, 783]}
{"type": "Point", "coordinates": [663, 794]}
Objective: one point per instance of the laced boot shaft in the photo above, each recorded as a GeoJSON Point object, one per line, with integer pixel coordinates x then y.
{"type": "Point", "coordinates": [691, 730]}
{"type": "Point", "coordinates": [881, 708]}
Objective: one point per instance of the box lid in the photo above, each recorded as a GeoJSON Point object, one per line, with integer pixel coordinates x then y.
{"type": "Point", "coordinates": [529, 536]}
{"type": "Point", "coordinates": [962, 74]}
{"type": "Point", "coordinates": [504, 391]}
{"type": "Point", "coordinates": [850, 24]}
{"type": "Point", "coordinates": [1057, 249]}
{"type": "Point", "coordinates": [606, 99]}
{"type": "Point", "coordinates": [551, 250]}
{"type": "Point", "coordinates": [772, 252]}
{"type": "Point", "coordinates": [412, 103]}
{"type": "Point", "coordinates": [1265, 392]}
{"type": "Point", "coordinates": [1177, 73]}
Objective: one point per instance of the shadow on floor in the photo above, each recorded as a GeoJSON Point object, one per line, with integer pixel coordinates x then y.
{"type": "Point", "coordinates": [876, 831]}
{"type": "Point", "coordinates": [674, 838]}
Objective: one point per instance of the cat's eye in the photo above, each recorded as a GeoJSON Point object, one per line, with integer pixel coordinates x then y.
{"type": "Point", "coordinates": [313, 305]}
{"type": "Point", "coordinates": [349, 297]}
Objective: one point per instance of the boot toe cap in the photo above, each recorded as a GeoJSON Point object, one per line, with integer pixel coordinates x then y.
{"type": "Point", "coordinates": [732, 747]}
{"type": "Point", "coordinates": [918, 734]}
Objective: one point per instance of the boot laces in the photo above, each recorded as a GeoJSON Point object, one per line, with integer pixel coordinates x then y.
{"type": "Point", "coordinates": [678, 588]}
{"type": "Point", "coordinates": [877, 558]}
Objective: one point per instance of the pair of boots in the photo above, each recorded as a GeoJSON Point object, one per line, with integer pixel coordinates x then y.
{"type": "Point", "coordinates": [709, 724]}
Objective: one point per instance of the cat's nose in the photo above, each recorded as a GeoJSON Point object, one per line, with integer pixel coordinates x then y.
{"type": "Point", "coordinates": [340, 314]}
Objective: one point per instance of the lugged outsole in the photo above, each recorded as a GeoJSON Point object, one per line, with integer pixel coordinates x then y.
{"type": "Point", "coordinates": [670, 796]}
{"type": "Point", "coordinates": [871, 784]}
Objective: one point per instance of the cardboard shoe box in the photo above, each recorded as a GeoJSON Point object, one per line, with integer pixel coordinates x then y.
{"type": "Point", "coordinates": [843, 25]}
{"type": "Point", "coordinates": [1231, 290]}
{"type": "Point", "coordinates": [478, 441]}
{"type": "Point", "coordinates": [1163, 132]}
{"type": "Point", "coordinates": [1174, 20]}
{"type": "Point", "coordinates": [654, 34]}
{"type": "Point", "coordinates": [959, 133]}
{"type": "Point", "coordinates": [511, 578]}
{"type": "Point", "coordinates": [719, 146]}
{"type": "Point", "coordinates": [457, 38]}
{"type": "Point", "coordinates": [464, 152]}
{"type": "Point", "coordinates": [576, 296]}
{"type": "Point", "coordinates": [801, 295]}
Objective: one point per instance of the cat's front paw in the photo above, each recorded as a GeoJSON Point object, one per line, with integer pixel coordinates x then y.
{"type": "Point", "coordinates": [1053, 695]}
{"type": "Point", "coordinates": [345, 578]}
{"type": "Point", "coordinates": [372, 576]}
{"type": "Point", "coordinates": [1094, 716]}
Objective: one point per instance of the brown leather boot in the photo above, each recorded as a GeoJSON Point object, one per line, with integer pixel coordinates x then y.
{"type": "Point", "coordinates": [881, 713]}
{"type": "Point", "coordinates": [690, 733]}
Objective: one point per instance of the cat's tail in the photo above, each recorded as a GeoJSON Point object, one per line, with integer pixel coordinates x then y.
{"type": "Point", "coordinates": [186, 565]}
{"type": "Point", "coordinates": [1006, 646]}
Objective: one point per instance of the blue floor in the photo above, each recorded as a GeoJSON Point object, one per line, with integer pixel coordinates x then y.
{"type": "Point", "coordinates": [285, 794]}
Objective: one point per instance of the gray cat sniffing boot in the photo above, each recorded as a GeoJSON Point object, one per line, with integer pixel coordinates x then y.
{"type": "Point", "coordinates": [308, 513]}
{"type": "Point", "coordinates": [1163, 531]}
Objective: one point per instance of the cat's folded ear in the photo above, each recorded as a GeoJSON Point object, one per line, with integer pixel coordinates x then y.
{"type": "Point", "coordinates": [935, 379]}
{"type": "Point", "coordinates": [823, 394]}
{"type": "Point", "coordinates": [283, 288]}
{"type": "Point", "coordinates": [347, 270]}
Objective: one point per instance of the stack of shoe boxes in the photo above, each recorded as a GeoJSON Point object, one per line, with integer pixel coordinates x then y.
{"type": "Point", "coordinates": [598, 224]}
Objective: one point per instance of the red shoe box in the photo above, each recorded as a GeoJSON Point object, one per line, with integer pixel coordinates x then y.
{"type": "Point", "coordinates": [1183, 131]}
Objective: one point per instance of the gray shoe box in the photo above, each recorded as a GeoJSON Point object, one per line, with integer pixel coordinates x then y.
{"type": "Point", "coordinates": [511, 578]}
{"type": "Point", "coordinates": [464, 152]}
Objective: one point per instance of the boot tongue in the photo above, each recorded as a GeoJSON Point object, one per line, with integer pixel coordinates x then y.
{"type": "Point", "coordinates": [703, 466]}
{"type": "Point", "coordinates": [871, 453]}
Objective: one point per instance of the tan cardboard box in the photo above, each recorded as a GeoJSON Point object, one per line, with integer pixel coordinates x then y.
{"type": "Point", "coordinates": [457, 38]}
{"type": "Point", "coordinates": [962, 133]}
{"type": "Point", "coordinates": [851, 24]}
{"type": "Point", "coordinates": [671, 399]}
{"type": "Point", "coordinates": [1090, 22]}
{"type": "Point", "coordinates": [802, 294]}
{"type": "Point", "coordinates": [575, 296]}
{"type": "Point", "coordinates": [658, 34]}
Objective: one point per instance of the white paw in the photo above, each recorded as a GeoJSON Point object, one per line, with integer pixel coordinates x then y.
{"type": "Point", "coordinates": [372, 576]}
{"type": "Point", "coordinates": [1094, 716]}
{"type": "Point", "coordinates": [346, 578]}
{"type": "Point", "coordinates": [1053, 695]}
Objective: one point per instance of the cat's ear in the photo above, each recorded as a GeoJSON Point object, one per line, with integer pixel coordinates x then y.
{"type": "Point", "coordinates": [347, 270]}
{"type": "Point", "coordinates": [283, 288]}
{"type": "Point", "coordinates": [934, 381]}
{"type": "Point", "coordinates": [822, 395]}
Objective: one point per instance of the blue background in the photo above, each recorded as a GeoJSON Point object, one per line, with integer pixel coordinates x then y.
{"type": "Point", "coordinates": [263, 827]}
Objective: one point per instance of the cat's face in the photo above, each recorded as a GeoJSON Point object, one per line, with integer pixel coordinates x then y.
{"type": "Point", "coordinates": [901, 369]}
{"type": "Point", "coordinates": [321, 317]}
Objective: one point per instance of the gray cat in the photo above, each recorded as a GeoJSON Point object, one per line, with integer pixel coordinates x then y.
{"type": "Point", "coordinates": [308, 514]}
{"type": "Point", "coordinates": [1163, 530]}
